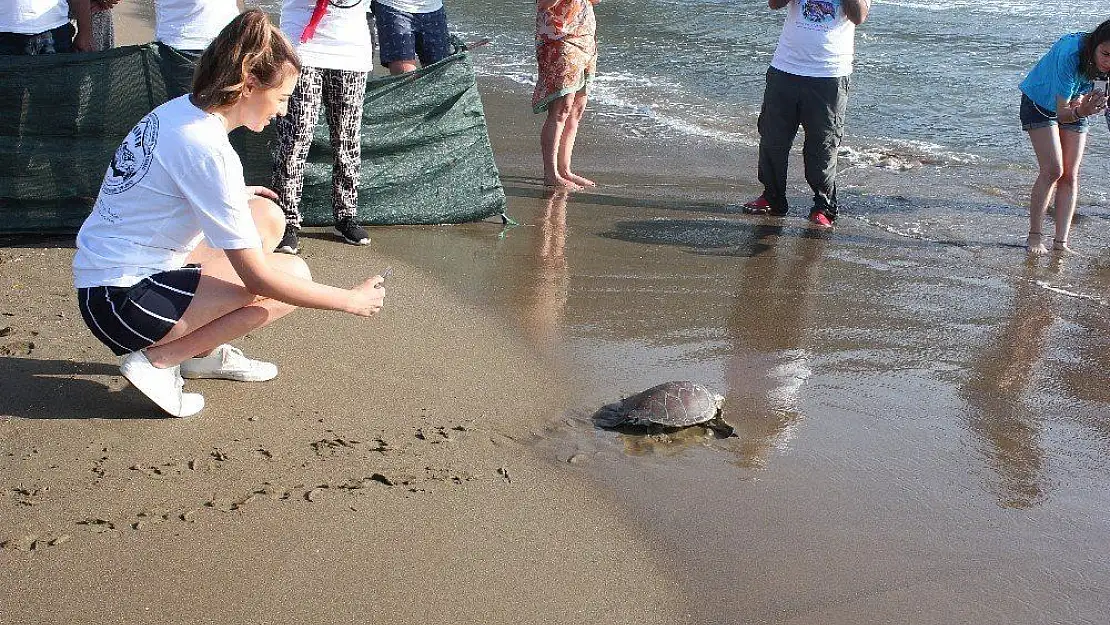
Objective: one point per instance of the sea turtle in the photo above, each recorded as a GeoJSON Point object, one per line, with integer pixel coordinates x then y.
{"type": "Point", "coordinates": [670, 405]}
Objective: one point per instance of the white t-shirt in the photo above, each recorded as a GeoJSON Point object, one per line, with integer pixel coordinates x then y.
{"type": "Point", "coordinates": [31, 17]}
{"type": "Point", "coordinates": [173, 181]}
{"type": "Point", "coordinates": [342, 39]}
{"type": "Point", "coordinates": [413, 6]}
{"type": "Point", "coordinates": [191, 24]}
{"type": "Point", "coordinates": [817, 40]}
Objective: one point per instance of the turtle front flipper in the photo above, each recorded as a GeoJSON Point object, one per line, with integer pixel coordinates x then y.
{"type": "Point", "coordinates": [611, 415]}
{"type": "Point", "coordinates": [721, 428]}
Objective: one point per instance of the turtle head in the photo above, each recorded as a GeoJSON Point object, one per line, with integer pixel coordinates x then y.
{"type": "Point", "coordinates": [718, 400]}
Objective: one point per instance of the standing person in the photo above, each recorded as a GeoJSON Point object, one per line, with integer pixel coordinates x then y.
{"type": "Point", "coordinates": [188, 26]}
{"type": "Point", "coordinates": [409, 30]}
{"type": "Point", "coordinates": [333, 42]}
{"type": "Point", "coordinates": [31, 27]}
{"type": "Point", "coordinates": [807, 86]}
{"type": "Point", "coordinates": [176, 257]}
{"type": "Point", "coordinates": [1057, 97]}
{"type": "Point", "coordinates": [103, 28]}
{"type": "Point", "coordinates": [566, 54]}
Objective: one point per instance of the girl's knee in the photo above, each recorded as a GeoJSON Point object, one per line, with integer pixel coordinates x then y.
{"type": "Point", "coordinates": [268, 217]}
{"type": "Point", "coordinates": [292, 265]}
{"type": "Point", "coordinates": [1051, 174]}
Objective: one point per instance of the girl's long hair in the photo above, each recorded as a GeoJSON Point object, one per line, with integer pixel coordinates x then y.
{"type": "Point", "coordinates": [1091, 41]}
{"type": "Point", "coordinates": [249, 46]}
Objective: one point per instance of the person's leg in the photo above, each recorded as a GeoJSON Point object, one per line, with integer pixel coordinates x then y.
{"type": "Point", "coordinates": [1072, 145]}
{"type": "Point", "coordinates": [294, 134]}
{"type": "Point", "coordinates": [344, 95]}
{"type": "Point", "coordinates": [1050, 163]}
{"type": "Point", "coordinates": [566, 142]}
{"type": "Point", "coordinates": [396, 39]}
{"type": "Point", "coordinates": [778, 125]}
{"type": "Point", "coordinates": [822, 115]}
{"type": "Point", "coordinates": [433, 41]}
{"type": "Point", "coordinates": [558, 112]}
{"type": "Point", "coordinates": [223, 309]}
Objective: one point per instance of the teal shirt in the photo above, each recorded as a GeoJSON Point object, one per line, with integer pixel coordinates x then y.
{"type": "Point", "coordinates": [1057, 74]}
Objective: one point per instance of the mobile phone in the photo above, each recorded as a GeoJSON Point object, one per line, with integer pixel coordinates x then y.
{"type": "Point", "coordinates": [1100, 85]}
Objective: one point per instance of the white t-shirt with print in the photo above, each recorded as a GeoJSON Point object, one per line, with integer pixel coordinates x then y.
{"type": "Point", "coordinates": [191, 24]}
{"type": "Point", "coordinates": [31, 17]}
{"type": "Point", "coordinates": [413, 6]}
{"type": "Point", "coordinates": [174, 181]}
{"type": "Point", "coordinates": [818, 40]}
{"type": "Point", "coordinates": [342, 39]}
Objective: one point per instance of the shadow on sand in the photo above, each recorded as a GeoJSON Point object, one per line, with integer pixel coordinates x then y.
{"type": "Point", "coordinates": [60, 389]}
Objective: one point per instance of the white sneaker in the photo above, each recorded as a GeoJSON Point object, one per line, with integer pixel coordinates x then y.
{"type": "Point", "coordinates": [228, 363]}
{"type": "Point", "coordinates": [162, 386]}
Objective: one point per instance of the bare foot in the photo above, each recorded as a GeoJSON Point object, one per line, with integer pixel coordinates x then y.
{"type": "Point", "coordinates": [560, 182]}
{"type": "Point", "coordinates": [1034, 244]}
{"type": "Point", "coordinates": [580, 180]}
{"type": "Point", "coordinates": [1061, 247]}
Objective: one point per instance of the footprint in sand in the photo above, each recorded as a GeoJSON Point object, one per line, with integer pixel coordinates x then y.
{"type": "Point", "coordinates": [17, 348]}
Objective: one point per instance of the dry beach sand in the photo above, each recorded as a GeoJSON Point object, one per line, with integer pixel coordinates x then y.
{"type": "Point", "coordinates": [923, 418]}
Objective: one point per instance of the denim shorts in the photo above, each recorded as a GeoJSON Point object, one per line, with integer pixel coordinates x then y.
{"type": "Point", "coordinates": [409, 36]}
{"type": "Point", "coordinates": [1033, 116]}
{"type": "Point", "coordinates": [57, 40]}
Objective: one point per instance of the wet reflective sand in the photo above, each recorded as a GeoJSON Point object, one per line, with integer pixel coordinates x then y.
{"type": "Point", "coordinates": [923, 413]}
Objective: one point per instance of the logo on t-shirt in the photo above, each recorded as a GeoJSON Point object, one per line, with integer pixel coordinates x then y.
{"type": "Point", "coordinates": [133, 158]}
{"type": "Point", "coordinates": [819, 11]}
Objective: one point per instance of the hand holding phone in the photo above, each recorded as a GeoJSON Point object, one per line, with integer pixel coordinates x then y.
{"type": "Point", "coordinates": [388, 271]}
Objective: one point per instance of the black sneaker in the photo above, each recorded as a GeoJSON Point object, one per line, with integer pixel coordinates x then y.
{"type": "Point", "coordinates": [289, 243]}
{"type": "Point", "coordinates": [351, 232]}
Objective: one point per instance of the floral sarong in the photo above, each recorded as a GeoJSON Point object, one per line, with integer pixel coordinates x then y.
{"type": "Point", "coordinates": [566, 51]}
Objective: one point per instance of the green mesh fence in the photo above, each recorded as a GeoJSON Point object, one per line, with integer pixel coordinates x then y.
{"type": "Point", "coordinates": [426, 156]}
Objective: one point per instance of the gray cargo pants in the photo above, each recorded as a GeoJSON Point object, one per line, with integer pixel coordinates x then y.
{"type": "Point", "coordinates": [818, 105]}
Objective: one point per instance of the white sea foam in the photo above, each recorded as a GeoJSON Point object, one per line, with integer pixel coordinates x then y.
{"type": "Point", "coordinates": [1061, 291]}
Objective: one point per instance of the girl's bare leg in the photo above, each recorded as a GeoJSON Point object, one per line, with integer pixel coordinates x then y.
{"type": "Point", "coordinates": [558, 113]}
{"type": "Point", "coordinates": [223, 309]}
{"type": "Point", "coordinates": [1050, 162]}
{"type": "Point", "coordinates": [566, 144]}
{"type": "Point", "coordinates": [1067, 188]}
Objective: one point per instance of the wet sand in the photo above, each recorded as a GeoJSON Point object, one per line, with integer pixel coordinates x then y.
{"type": "Point", "coordinates": [921, 417]}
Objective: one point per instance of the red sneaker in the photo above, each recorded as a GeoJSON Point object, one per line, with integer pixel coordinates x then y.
{"type": "Point", "coordinates": [820, 219]}
{"type": "Point", "coordinates": [762, 207]}
{"type": "Point", "coordinates": [758, 206]}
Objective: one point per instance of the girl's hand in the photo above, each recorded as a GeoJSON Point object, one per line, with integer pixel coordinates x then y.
{"type": "Point", "coordinates": [367, 298]}
{"type": "Point", "coordinates": [269, 194]}
{"type": "Point", "coordinates": [1091, 103]}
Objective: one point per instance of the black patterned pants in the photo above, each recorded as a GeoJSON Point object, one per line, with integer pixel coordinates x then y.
{"type": "Point", "coordinates": [341, 93]}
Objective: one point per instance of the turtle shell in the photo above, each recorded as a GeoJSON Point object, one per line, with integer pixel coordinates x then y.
{"type": "Point", "coordinates": [672, 404]}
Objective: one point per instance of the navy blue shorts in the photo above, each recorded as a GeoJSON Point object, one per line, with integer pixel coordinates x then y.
{"type": "Point", "coordinates": [130, 318]}
{"type": "Point", "coordinates": [1033, 116]}
{"type": "Point", "coordinates": [409, 36]}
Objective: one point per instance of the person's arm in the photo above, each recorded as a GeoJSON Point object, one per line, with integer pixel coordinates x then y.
{"type": "Point", "coordinates": [546, 5]}
{"type": "Point", "coordinates": [1071, 111]}
{"type": "Point", "coordinates": [82, 12]}
{"type": "Point", "coordinates": [857, 10]}
{"type": "Point", "coordinates": [777, 4]}
{"type": "Point", "coordinates": [263, 280]}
